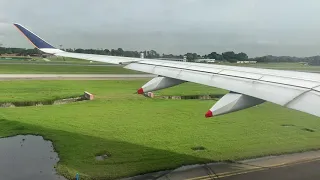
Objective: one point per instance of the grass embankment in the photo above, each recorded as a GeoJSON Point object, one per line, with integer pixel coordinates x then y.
{"type": "Point", "coordinates": [143, 135]}
{"type": "Point", "coordinates": [62, 69]}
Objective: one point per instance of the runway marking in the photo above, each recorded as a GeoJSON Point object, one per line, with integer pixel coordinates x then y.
{"type": "Point", "coordinates": [238, 172]}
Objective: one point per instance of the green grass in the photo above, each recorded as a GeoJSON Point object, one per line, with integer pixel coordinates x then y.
{"type": "Point", "coordinates": [40, 60]}
{"type": "Point", "coordinates": [144, 135]}
{"type": "Point", "coordinates": [39, 66]}
{"type": "Point", "coordinates": [71, 60]}
{"type": "Point", "coordinates": [281, 66]}
{"type": "Point", "coordinates": [62, 69]}
{"type": "Point", "coordinates": [59, 65]}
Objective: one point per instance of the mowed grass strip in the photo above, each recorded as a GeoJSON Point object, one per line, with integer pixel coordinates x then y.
{"type": "Point", "coordinates": [40, 66]}
{"type": "Point", "coordinates": [290, 66]}
{"type": "Point", "coordinates": [62, 69]}
{"type": "Point", "coordinates": [143, 135]}
{"type": "Point", "coordinates": [49, 60]}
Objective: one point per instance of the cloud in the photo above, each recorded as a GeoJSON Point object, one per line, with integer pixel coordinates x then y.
{"type": "Point", "coordinates": [267, 42]}
{"type": "Point", "coordinates": [169, 26]}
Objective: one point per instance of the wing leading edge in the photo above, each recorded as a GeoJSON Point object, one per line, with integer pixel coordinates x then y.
{"type": "Point", "coordinates": [295, 90]}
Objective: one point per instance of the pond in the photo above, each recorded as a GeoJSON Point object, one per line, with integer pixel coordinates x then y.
{"type": "Point", "coordinates": [28, 157]}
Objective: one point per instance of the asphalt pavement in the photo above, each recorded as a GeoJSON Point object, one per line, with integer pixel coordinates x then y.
{"type": "Point", "coordinates": [298, 171]}
{"type": "Point", "coordinates": [294, 166]}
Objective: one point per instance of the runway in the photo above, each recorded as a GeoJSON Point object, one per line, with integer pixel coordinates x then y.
{"type": "Point", "coordinates": [304, 170]}
{"type": "Point", "coordinates": [73, 76]}
{"type": "Point", "coordinates": [294, 166]}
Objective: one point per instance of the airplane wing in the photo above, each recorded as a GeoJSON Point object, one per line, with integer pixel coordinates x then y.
{"type": "Point", "coordinates": [248, 86]}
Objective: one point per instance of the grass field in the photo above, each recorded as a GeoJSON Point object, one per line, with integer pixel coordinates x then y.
{"type": "Point", "coordinates": [58, 65]}
{"type": "Point", "coordinates": [143, 135]}
{"type": "Point", "coordinates": [282, 66]}
{"type": "Point", "coordinates": [82, 68]}
{"type": "Point", "coordinates": [49, 60]}
{"type": "Point", "coordinates": [62, 69]}
{"type": "Point", "coordinates": [40, 66]}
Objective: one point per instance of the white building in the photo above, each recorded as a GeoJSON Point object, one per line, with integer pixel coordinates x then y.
{"type": "Point", "coordinates": [246, 62]}
{"type": "Point", "coordinates": [205, 60]}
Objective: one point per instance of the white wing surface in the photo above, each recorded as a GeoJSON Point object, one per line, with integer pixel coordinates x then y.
{"type": "Point", "coordinates": [295, 90]}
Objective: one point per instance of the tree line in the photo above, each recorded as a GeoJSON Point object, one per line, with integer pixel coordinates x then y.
{"type": "Point", "coordinates": [152, 54]}
{"type": "Point", "coordinates": [191, 57]}
{"type": "Point", "coordinates": [20, 51]}
{"type": "Point", "coordinates": [313, 60]}
{"type": "Point", "coordinates": [228, 56]}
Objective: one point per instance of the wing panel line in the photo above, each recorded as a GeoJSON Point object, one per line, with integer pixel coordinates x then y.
{"type": "Point", "coordinates": [242, 77]}
{"type": "Point", "coordinates": [233, 70]}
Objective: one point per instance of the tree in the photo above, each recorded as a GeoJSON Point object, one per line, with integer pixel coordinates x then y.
{"type": "Point", "coordinates": [229, 55]}
{"type": "Point", "coordinates": [113, 52]}
{"type": "Point", "coordinates": [233, 57]}
{"type": "Point", "coordinates": [69, 50]}
{"type": "Point", "coordinates": [120, 52]}
{"type": "Point", "coordinates": [314, 61]}
{"type": "Point", "coordinates": [152, 54]}
{"type": "Point", "coordinates": [106, 51]}
{"type": "Point", "coordinates": [131, 54]}
{"type": "Point", "coordinates": [242, 56]}
{"type": "Point", "coordinates": [79, 50]}
{"type": "Point", "coordinates": [215, 56]}
{"type": "Point", "coordinates": [191, 57]}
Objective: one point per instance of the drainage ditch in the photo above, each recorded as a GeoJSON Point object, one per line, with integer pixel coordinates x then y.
{"type": "Point", "coordinates": [41, 103]}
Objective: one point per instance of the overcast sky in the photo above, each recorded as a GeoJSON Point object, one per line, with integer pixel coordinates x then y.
{"type": "Point", "coordinates": [256, 27]}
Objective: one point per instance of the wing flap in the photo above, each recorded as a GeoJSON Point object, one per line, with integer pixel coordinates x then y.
{"type": "Point", "coordinates": [166, 71]}
{"type": "Point", "coordinates": [240, 74]}
{"type": "Point", "coordinates": [274, 92]}
{"type": "Point", "coordinates": [195, 76]}
{"type": "Point", "coordinates": [317, 88]}
{"type": "Point", "coordinates": [147, 68]}
{"type": "Point", "coordinates": [290, 81]}
{"type": "Point", "coordinates": [308, 102]}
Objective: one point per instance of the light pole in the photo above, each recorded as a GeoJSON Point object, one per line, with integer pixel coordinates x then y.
{"type": "Point", "coordinates": [61, 49]}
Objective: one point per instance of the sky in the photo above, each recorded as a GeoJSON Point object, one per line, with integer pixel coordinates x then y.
{"type": "Point", "coordinates": [256, 27]}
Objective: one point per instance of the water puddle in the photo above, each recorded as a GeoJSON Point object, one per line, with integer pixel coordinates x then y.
{"type": "Point", "coordinates": [102, 157]}
{"type": "Point", "coordinates": [27, 157]}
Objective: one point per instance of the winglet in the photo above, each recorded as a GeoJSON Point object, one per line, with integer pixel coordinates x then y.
{"type": "Point", "coordinates": [33, 38]}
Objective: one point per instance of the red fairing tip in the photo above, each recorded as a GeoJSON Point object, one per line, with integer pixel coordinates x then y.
{"type": "Point", "coordinates": [140, 91]}
{"type": "Point", "coordinates": [209, 114]}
